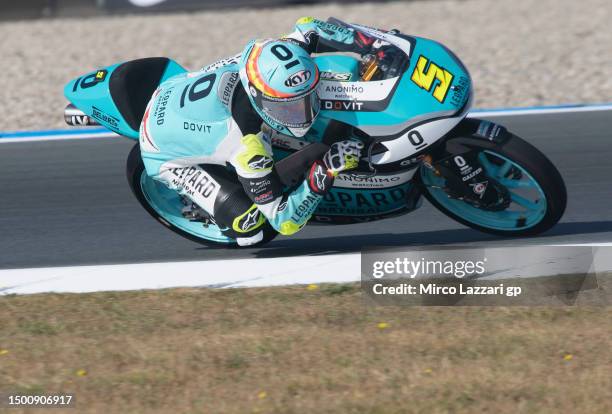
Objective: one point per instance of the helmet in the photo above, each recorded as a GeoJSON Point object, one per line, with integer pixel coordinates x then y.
{"type": "Point", "coordinates": [281, 81]}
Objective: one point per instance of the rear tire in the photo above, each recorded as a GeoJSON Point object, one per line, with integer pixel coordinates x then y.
{"type": "Point", "coordinates": [536, 164]}
{"type": "Point", "coordinates": [135, 170]}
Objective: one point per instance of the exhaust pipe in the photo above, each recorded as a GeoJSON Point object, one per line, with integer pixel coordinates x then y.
{"type": "Point", "coordinates": [75, 117]}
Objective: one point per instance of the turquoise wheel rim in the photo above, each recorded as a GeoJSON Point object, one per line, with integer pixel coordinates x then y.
{"type": "Point", "coordinates": [168, 205]}
{"type": "Point", "coordinates": [528, 206]}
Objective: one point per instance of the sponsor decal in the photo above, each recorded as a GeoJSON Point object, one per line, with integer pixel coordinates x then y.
{"type": "Point", "coordinates": [261, 190]}
{"type": "Point", "coordinates": [361, 202]}
{"type": "Point", "coordinates": [472, 174]}
{"type": "Point", "coordinates": [360, 91]}
{"type": "Point", "coordinates": [285, 142]}
{"type": "Point", "coordinates": [221, 62]}
{"type": "Point", "coordinates": [342, 105]}
{"type": "Point", "coordinates": [352, 88]}
{"type": "Point", "coordinates": [146, 142]}
{"type": "Point", "coordinates": [101, 75]}
{"type": "Point", "coordinates": [425, 75]}
{"type": "Point", "coordinates": [480, 188]}
{"type": "Point", "coordinates": [281, 142]}
{"type": "Point", "coordinates": [331, 28]}
{"type": "Point", "coordinates": [195, 127]}
{"type": "Point", "coordinates": [281, 207]}
{"type": "Point", "coordinates": [258, 185]}
{"type": "Point", "coordinates": [105, 118]}
{"type": "Point", "coordinates": [459, 91]}
{"type": "Point", "coordinates": [305, 208]}
{"type": "Point", "coordinates": [226, 88]}
{"type": "Point", "coordinates": [160, 108]}
{"type": "Point", "coordinates": [320, 175]}
{"type": "Point", "coordinates": [193, 180]}
{"type": "Point", "coordinates": [336, 76]}
{"type": "Point", "coordinates": [264, 198]}
{"type": "Point", "coordinates": [298, 78]}
{"type": "Point", "coordinates": [260, 162]}
{"type": "Point", "coordinates": [489, 130]}
{"type": "Point", "coordinates": [353, 180]}
{"type": "Point", "coordinates": [251, 220]}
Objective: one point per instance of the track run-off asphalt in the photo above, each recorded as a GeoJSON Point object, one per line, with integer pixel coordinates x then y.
{"type": "Point", "coordinates": [66, 203]}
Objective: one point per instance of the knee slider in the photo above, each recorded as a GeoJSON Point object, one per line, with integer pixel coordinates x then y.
{"type": "Point", "coordinates": [236, 212]}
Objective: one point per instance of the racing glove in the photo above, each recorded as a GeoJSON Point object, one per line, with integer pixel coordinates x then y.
{"type": "Point", "coordinates": [342, 156]}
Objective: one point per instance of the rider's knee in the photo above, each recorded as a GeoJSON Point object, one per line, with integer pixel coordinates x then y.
{"type": "Point", "coordinates": [235, 212]}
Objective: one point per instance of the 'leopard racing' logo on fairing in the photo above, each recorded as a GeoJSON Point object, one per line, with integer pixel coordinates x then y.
{"type": "Point", "coordinates": [260, 162]}
{"type": "Point", "coordinates": [250, 221]}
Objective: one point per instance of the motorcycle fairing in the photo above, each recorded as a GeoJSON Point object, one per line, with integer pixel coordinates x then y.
{"type": "Point", "coordinates": [416, 114]}
{"type": "Point", "coordinates": [434, 86]}
{"type": "Point", "coordinates": [365, 202]}
{"type": "Point", "coordinates": [116, 96]}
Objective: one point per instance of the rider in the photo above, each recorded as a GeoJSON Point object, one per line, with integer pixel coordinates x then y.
{"type": "Point", "coordinates": [214, 117]}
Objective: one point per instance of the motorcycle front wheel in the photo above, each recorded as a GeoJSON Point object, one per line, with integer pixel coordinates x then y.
{"type": "Point", "coordinates": [538, 196]}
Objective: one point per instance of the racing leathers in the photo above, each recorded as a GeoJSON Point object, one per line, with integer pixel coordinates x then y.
{"type": "Point", "coordinates": [198, 124]}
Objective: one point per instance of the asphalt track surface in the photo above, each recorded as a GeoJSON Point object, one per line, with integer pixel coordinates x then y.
{"type": "Point", "coordinates": [67, 203]}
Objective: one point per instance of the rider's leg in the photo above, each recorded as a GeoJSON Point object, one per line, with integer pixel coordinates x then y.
{"type": "Point", "coordinates": [214, 190]}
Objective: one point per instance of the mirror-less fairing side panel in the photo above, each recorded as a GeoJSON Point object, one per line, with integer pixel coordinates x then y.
{"type": "Point", "coordinates": [116, 96]}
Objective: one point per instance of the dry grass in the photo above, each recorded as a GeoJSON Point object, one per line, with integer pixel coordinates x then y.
{"type": "Point", "coordinates": [299, 350]}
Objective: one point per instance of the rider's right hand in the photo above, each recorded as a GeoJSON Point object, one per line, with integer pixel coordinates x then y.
{"type": "Point", "coordinates": [343, 156]}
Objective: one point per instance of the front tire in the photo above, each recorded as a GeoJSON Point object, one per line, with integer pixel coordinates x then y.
{"type": "Point", "coordinates": [164, 205]}
{"type": "Point", "coordinates": [531, 164]}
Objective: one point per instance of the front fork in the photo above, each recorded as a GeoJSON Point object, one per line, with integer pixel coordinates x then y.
{"type": "Point", "coordinates": [465, 176]}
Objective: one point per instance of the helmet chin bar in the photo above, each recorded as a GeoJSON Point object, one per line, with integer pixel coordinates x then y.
{"type": "Point", "coordinates": [299, 132]}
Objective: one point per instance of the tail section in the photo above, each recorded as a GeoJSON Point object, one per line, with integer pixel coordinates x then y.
{"type": "Point", "coordinates": [116, 96]}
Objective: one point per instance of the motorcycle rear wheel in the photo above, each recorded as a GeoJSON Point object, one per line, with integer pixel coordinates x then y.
{"type": "Point", "coordinates": [165, 205]}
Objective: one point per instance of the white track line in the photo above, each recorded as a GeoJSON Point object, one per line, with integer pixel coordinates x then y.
{"type": "Point", "coordinates": [61, 137]}
{"type": "Point", "coordinates": [214, 273]}
{"type": "Point", "coordinates": [335, 268]}
{"type": "Point", "coordinates": [475, 114]}
{"type": "Point", "coordinates": [539, 111]}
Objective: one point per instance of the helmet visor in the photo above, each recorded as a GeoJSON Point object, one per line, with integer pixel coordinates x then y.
{"type": "Point", "coordinates": [294, 113]}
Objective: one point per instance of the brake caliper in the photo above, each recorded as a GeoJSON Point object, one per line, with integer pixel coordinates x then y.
{"type": "Point", "coordinates": [467, 180]}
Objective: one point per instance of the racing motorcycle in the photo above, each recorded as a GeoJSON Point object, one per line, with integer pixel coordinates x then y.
{"type": "Point", "coordinates": [407, 101]}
